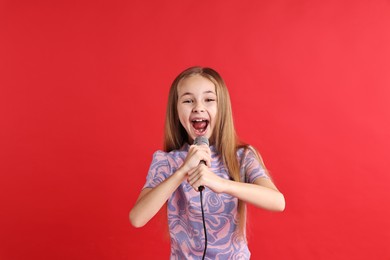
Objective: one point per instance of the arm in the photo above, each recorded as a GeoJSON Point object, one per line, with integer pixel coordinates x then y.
{"type": "Point", "coordinates": [262, 193]}
{"type": "Point", "coordinates": [151, 200]}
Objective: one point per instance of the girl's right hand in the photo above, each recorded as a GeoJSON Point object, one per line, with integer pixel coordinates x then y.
{"type": "Point", "coordinates": [196, 154]}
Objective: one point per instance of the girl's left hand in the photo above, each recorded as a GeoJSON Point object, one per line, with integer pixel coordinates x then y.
{"type": "Point", "coordinates": [203, 176]}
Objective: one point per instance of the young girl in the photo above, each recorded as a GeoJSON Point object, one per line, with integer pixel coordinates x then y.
{"type": "Point", "coordinates": [231, 173]}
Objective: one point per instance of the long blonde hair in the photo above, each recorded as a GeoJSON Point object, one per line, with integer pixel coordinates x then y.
{"type": "Point", "coordinates": [224, 136]}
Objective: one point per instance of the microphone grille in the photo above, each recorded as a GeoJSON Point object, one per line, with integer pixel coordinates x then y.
{"type": "Point", "coordinates": [199, 140]}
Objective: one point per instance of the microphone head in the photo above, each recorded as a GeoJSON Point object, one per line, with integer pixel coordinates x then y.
{"type": "Point", "coordinates": [199, 140]}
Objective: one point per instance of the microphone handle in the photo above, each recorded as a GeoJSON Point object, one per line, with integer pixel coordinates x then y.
{"type": "Point", "coordinates": [201, 187]}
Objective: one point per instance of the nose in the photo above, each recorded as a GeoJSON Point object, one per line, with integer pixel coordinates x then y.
{"type": "Point", "coordinates": [198, 108]}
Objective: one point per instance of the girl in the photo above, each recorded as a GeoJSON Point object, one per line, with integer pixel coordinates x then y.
{"type": "Point", "coordinates": [232, 173]}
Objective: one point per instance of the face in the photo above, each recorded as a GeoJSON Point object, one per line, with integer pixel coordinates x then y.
{"type": "Point", "coordinates": [197, 106]}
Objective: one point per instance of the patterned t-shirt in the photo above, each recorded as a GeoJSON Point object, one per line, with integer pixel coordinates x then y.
{"type": "Point", "coordinates": [220, 210]}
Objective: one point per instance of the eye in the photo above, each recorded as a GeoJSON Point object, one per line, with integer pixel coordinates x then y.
{"type": "Point", "coordinates": [210, 99]}
{"type": "Point", "coordinates": [187, 101]}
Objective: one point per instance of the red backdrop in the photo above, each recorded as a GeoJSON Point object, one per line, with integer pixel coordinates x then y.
{"type": "Point", "coordinates": [83, 88]}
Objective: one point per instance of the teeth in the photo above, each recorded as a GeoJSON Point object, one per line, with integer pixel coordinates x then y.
{"type": "Point", "coordinates": [199, 120]}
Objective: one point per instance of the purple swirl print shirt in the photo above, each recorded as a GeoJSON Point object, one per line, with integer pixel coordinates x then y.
{"type": "Point", "coordinates": [184, 210]}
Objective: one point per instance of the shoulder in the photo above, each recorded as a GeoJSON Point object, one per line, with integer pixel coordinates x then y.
{"type": "Point", "coordinates": [171, 157]}
{"type": "Point", "coordinates": [159, 154]}
{"type": "Point", "coordinates": [247, 151]}
{"type": "Point", "coordinates": [249, 156]}
{"type": "Point", "coordinates": [251, 163]}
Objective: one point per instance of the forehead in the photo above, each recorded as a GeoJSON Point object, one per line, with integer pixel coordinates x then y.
{"type": "Point", "coordinates": [195, 84]}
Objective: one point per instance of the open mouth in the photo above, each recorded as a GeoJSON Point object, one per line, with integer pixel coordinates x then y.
{"type": "Point", "coordinates": [200, 125]}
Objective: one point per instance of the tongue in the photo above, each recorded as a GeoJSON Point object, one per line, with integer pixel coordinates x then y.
{"type": "Point", "coordinates": [200, 125]}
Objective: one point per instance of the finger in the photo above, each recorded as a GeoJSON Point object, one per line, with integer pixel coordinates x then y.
{"type": "Point", "coordinates": [196, 185]}
{"type": "Point", "coordinates": [192, 171]}
{"type": "Point", "coordinates": [205, 155]}
{"type": "Point", "coordinates": [201, 155]}
{"type": "Point", "coordinates": [208, 162]}
{"type": "Point", "coordinates": [193, 179]}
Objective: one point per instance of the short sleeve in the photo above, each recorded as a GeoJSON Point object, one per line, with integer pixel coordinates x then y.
{"type": "Point", "coordinates": [252, 167]}
{"type": "Point", "coordinates": [159, 170]}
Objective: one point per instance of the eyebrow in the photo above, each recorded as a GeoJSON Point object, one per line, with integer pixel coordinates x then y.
{"type": "Point", "coordinates": [206, 92]}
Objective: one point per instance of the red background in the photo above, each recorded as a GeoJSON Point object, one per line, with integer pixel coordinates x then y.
{"type": "Point", "coordinates": [82, 103]}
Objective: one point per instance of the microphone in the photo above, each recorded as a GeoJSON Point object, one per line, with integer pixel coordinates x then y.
{"type": "Point", "coordinates": [199, 140]}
